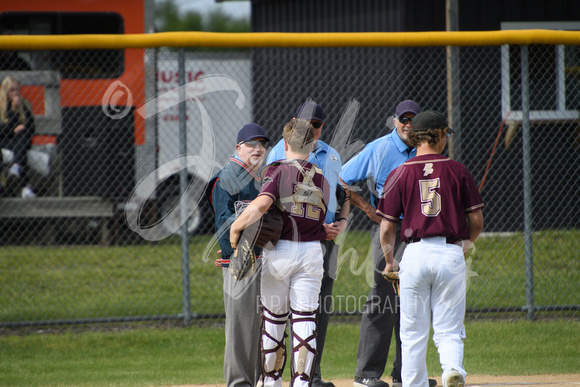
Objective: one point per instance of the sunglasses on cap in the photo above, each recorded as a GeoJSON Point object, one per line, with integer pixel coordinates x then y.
{"type": "Point", "coordinates": [405, 120]}
{"type": "Point", "coordinates": [254, 143]}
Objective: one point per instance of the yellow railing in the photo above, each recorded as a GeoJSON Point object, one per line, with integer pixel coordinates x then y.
{"type": "Point", "coordinates": [274, 39]}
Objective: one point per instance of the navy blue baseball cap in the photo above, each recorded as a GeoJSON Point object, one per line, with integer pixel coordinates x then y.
{"type": "Point", "coordinates": [430, 119]}
{"type": "Point", "coordinates": [310, 111]}
{"type": "Point", "coordinates": [251, 131]}
{"type": "Point", "coordinates": [407, 106]}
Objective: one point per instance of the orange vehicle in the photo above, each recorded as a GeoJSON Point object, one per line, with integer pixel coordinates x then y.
{"type": "Point", "coordinates": [101, 139]}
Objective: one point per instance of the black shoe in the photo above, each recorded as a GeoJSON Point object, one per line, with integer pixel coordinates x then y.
{"type": "Point", "coordinates": [369, 382]}
{"type": "Point", "coordinates": [321, 383]}
{"type": "Point", "coordinates": [398, 383]}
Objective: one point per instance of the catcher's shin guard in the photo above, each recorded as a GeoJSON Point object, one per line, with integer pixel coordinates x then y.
{"type": "Point", "coordinates": [273, 346]}
{"type": "Point", "coordinates": [303, 327]}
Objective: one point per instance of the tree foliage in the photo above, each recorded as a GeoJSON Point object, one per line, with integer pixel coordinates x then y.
{"type": "Point", "coordinates": [168, 17]}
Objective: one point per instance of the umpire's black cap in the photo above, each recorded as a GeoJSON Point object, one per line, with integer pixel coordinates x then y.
{"type": "Point", "coordinates": [430, 119]}
{"type": "Point", "coordinates": [407, 106]}
{"type": "Point", "coordinates": [310, 111]}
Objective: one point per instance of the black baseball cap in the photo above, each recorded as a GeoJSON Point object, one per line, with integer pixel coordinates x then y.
{"type": "Point", "coordinates": [430, 119]}
{"type": "Point", "coordinates": [310, 111]}
{"type": "Point", "coordinates": [251, 131]}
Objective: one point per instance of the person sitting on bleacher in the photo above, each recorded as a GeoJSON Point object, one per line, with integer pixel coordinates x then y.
{"type": "Point", "coordinates": [16, 131]}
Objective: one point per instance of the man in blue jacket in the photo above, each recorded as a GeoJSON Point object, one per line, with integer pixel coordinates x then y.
{"type": "Point", "coordinates": [238, 182]}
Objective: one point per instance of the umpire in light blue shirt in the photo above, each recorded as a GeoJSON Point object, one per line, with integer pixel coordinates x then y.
{"type": "Point", "coordinates": [380, 313]}
{"type": "Point", "coordinates": [326, 158]}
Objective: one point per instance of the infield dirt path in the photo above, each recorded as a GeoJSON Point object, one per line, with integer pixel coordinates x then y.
{"type": "Point", "coordinates": [475, 381]}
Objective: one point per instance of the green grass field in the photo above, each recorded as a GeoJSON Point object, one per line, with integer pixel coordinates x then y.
{"type": "Point", "coordinates": [148, 356]}
{"type": "Point", "coordinates": [84, 282]}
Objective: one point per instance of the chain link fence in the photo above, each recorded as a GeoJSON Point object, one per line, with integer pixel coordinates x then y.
{"type": "Point", "coordinates": [120, 133]}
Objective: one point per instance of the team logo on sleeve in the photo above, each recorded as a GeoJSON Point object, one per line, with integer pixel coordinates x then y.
{"type": "Point", "coordinates": [428, 169]}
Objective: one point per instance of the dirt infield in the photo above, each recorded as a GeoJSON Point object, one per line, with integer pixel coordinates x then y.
{"type": "Point", "coordinates": [475, 381]}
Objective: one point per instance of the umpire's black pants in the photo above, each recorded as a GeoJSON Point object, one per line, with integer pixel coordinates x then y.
{"type": "Point", "coordinates": [330, 250]}
{"type": "Point", "coordinates": [380, 316]}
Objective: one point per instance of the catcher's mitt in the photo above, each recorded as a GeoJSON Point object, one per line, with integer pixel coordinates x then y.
{"type": "Point", "coordinates": [393, 278]}
{"type": "Point", "coordinates": [242, 260]}
{"type": "Point", "coordinates": [266, 230]}
{"type": "Point", "coordinates": [260, 234]}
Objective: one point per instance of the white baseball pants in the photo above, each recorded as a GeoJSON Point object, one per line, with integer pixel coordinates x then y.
{"type": "Point", "coordinates": [291, 277]}
{"type": "Point", "coordinates": [432, 274]}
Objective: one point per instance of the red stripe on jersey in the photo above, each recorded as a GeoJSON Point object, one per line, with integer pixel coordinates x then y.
{"type": "Point", "coordinates": [241, 164]}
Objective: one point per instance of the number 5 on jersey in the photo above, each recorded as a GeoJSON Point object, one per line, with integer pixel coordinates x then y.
{"type": "Point", "coordinates": [429, 197]}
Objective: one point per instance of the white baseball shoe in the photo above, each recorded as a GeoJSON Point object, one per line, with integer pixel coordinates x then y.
{"type": "Point", "coordinates": [454, 379]}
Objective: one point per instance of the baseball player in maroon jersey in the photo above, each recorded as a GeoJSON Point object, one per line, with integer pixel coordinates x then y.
{"type": "Point", "coordinates": [442, 218]}
{"type": "Point", "coordinates": [292, 271]}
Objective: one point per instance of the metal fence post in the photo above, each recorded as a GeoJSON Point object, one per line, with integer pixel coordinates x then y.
{"type": "Point", "coordinates": [183, 183]}
{"type": "Point", "coordinates": [529, 261]}
{"type": "Point", "coordinates": [453, 83]}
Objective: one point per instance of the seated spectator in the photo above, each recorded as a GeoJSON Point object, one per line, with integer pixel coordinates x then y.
{"type": "Point", "coordinates": [16, 131]}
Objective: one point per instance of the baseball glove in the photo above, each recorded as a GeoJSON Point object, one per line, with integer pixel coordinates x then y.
{"type": "Point", "coordinates": [260, 234]}
{"type": "Point", "coordinates": [266, 230]}
{"type": "Point", "coordinates": [393, 278]}
{"type": "Point", "coordinates": [243, 260]}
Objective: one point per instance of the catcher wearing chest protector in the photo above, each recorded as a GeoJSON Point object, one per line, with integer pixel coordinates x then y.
{"type": "Point", "coordinates": [265, 232]}
{"type": "Point", "coordinates": [292, 270]}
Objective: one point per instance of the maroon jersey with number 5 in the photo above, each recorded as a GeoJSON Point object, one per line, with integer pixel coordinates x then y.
{"type": "Point", "coordinates": [304, 203]}
{"type": "Point", "coordinates": [434, 194]}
